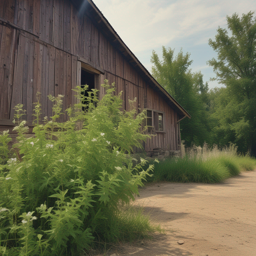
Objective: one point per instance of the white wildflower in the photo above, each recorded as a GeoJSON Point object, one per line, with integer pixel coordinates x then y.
{"type": "Point", "coordinates": [29, 214]}
{"type": "Point", "coordinates": [60, 96]}
{"type": "Point", "coordinates": [71, 180]}
{"type": "Point", "coordinates": [143, 161]}
{"type": "Point", "coordinates": [32, 143]}
{"type": "Point", "coordinates": [156, 160]}
{"type": "Point", "coordinates": [15, 128]}
{"type": "Point", "coordinates": [108, 142]}
{"type": "Point", "coordinates": [49, 146]}
{"type": "Point", "coordinates": [8, 178]}
{"type": "Point", "coordinates": [5, 132]}
{"type": "Point", "coordinates": [23, 123]}
{"type": "Point", "coordinates": [33, 218]}
{"type": "Point", "coordinates": [94, 139]}
{"type": "Point", "coordinates": [3, 209]}
{"type": "Point", "coordinates": [43, 207]}
{"type": "Point", "coordinates": [118, 168]}
{"type": "Point", "coordinates": [44, 155]}
{"type": "Point", "coordinates": [24, 221]}
{"type": "Point", "coordinates": [102, 134]}
{"type": "Point", "coordinates": [61, 160]}
{"type": "Point", "coordinates": [117, 153]}
{"type": "Point", "coordinates": [12, 160]}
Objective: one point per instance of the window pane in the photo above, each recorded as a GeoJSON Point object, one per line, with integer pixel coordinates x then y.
{"type": "Point", "coordinates": [160, 122]}
{"type": "Point", "coordinates": [149, 113]}
{"type": "Point", "coordinates": [149, 121]}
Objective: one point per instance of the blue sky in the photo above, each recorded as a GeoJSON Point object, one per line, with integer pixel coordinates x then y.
{"type": "Point", "coordinates": [147, 25]}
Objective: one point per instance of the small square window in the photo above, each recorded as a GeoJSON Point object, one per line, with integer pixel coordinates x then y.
{"type": "Point", "coordinates": [155, 121]}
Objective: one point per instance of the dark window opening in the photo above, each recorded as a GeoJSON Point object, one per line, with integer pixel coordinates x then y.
{"type": "Point", "coordinates": [89, 80]}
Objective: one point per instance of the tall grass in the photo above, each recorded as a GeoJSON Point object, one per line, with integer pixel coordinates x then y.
{"type": "Point", "coordinates": [203, 165]}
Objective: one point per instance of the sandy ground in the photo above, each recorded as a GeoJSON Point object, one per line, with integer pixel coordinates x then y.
{"type": "Point", "coordinates": [211, 220]}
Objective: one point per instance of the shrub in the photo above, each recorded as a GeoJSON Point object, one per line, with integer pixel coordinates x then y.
{"type": "Point", "coordinates": [64, 188]}
{"type": "Point", "coordinates": [190, 170]}
{"type": "Point", "coordinates": [203, 165]}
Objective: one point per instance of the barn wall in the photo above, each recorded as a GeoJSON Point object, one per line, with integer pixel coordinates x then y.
{"type": "Point", "coordinates": [40, 52]}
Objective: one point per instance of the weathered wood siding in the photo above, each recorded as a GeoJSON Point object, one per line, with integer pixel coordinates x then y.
{"type": "Point", "coordinates": [40, 49]}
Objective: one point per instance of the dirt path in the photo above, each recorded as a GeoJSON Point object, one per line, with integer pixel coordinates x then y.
{"type": "Point", "coordinates": [211, 220]}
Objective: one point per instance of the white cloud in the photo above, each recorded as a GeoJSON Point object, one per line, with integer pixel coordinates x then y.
{"type": "Point", "coordinates": [145, 25]}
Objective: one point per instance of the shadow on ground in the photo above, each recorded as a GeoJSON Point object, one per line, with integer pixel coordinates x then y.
{"type": "Point", "coordinates": [157, 246]}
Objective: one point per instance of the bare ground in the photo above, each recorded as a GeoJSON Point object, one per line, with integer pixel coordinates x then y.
{"type": "Point", "coordinates": [211, 220]}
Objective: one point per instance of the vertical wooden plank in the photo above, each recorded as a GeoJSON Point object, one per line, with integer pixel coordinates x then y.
{"type": "Point", "coordinates": [43, 11]}
{"type": "Point", "coordinates": [3, 68]}
{"type": "Point", "coordinates": [51, 82]}
{"type": "Point", "coordinates": [74, 31]}
{"type": "Point", "coordinates": [56, 23]}
{"type": "Point", "coordinates": [38, 59]}
{"type": "Point", "coordinates": [78, 77]}
{"type": "Point", "coordinates": [60, 27]}
{"type": "Point", "coordinates": [74, 78]}
{"type": "Point", "coordinates": [57, 72]}
{"type": "Point", "coordinates": [64, 86]}
{"type": "Point", "coordinates": [94, 54]}
{"type": "Point", "coordinates": [88, 38]}
{"type": "Point", "coordinates": [24, 82]}
{"type": "Point", "coordinates": [2, 5]}
{"type": "Point", "coordinates": [20, 14]}
{"type": "Point", "coordinates": [67, 25]}
{"type": "Point", "coordinates": [9, 10]}
{"type": "Point", "coordinates": [36, 17]}
{"type": "Point", "coordinates": [18, 74]}
{"type": "Point", "coordinates": [44, 79]}
{"type": "Point", "coordinates": [30, 80]}
{"type": "Point", "coordinates": [28, 15]}
{"type": "Point", "coordinates": [11, 71]}
{"type": "Point", "coordinates": [119, 64]}
{"type": "Point", "coordinates": [49, 21]}
{"type": "Point", "coordinates": [101, 51]}
{"type": "Point", "coordinates": [68, 95]}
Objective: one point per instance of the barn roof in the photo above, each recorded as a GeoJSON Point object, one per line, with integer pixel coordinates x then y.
{"type": "Point", "coordinates": [91, 10]}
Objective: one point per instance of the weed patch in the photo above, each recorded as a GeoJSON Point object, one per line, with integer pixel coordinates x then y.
{"type": "Point", "coordinates": [63, 190]}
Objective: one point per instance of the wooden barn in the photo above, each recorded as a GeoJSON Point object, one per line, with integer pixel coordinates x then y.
{"type": "Point", "coordinates": [50, 46]}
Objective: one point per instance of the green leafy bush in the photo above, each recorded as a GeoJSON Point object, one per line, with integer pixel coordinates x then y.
{"type": "Point", "coordinates": [64, 187]}
{"type": "Point", "coordinates": [213, 169]}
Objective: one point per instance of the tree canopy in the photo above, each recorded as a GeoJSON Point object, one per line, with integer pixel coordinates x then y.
{"type": "Point", "coordinates": [188, 89]}
{"type": "Point", "coordinates": [235, 67]}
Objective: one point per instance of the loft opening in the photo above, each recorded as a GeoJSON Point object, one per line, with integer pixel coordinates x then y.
{"type": "Point", "coordinates": [89, 77]}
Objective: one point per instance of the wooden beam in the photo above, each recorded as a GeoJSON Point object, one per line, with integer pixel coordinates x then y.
{"type": "Point", "coordinates": [88, 66]}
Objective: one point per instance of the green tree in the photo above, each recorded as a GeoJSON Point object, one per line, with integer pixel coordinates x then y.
{"type": "Point", "coordinates": [188, 89]}
{"type": "Point", "coordinates": [235, 67]}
